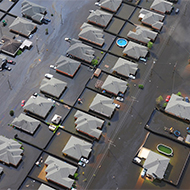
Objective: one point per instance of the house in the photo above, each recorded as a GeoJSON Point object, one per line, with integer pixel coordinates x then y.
{"type": "Point", "coordinates": [26, 123]}
{"type": "Point", "coordinates": [100, 18]}
{"type": "Point", "coordinates": [161, 6]}
{"type": "Point", "coordinates": [142, 35]}
{"type": "Point", "coordinates": [77, 148]}
{"type": "Point", "coordinates": [102, 105]}
{"type": "Point", "coordinates": [91, 34]}
{"type": "Point", "coordinates": [38, 106]}
{"type": "Point", "coordinates": [59, 172]}
{"type": "Point", "coordinates": [151, 19]}
{"type": "Point", "coordinates": [23, 27]}
{"type": "Point", "coordinates": [10, 151]}
{"type": "Point", "coordinates": [45, 187]}
{"type": "Point", "coordinates": [88, 124]}
{"type": "Point", "coordinates": [81, 51]}
{"type": "Point", "coordinates": [135, 50]}
{"type": "Point", "coordinates": [10, 46]}
{"type": "Point", "coordinates": [53, 87]}
{"type": "Point", "coordinates": [124, 67]}
{"type": "Point", "coordinates": [26, 44]}
{"type": "Point", "coordinates": [114, 85]}
{"type": "Point", "coordinates": [178, 107]}
{"type": "Point", "coordinates": [110, 5]}
{"type": "Point", "coordinates": [156, 165]}
{"type": "Point", "coordinates": [67, 66]}
{"type": "Point", "coordinates": [33, 11]}
{"type": "Point", "coordinates": [3, 61]}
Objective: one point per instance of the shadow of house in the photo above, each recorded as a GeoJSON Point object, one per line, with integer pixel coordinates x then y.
{"type": "Point", "coordinates": [22, 27]}
{"type": "Point", "coordinates": [3, 61]}
{"type": "Point", "coordinates": [10, 46]}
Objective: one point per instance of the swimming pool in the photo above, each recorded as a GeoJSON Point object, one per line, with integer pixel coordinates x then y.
{"type": "Point", "coordinates": [121, 42]}
{"type": "Point", "coordinates": [162, 148]}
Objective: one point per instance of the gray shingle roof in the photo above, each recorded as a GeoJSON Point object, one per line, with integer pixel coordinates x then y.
{"type": "Point", "coordinates": [36, 12]}
{"type": "Point", "coordinates": [156, 164]}
{"type": "Point", "coordinates": [178, 107]}
{"type": "Point", "coordinates": [114, 85]}
{"type": "Point", "coordinates": [151, 18]}
{"type": "Point", "coordinates": [111, 5]}
{"type": "Point", "coordinates": [26, 123]}
{"type": "Point", "coordinates": [67, 66]}
{"type": "Point", "coordinates": [81, 51]}
{"type": "Point", "coordinates": [135, 50]}
{"type": "Point", "coordinates": [125, 67]}
{"type": "Point", "coordinates": [10, 151]}
{"type": "Point", "coordinates": [45, 187]}
{"type": "Point", "coordinates": [39, 106]}
{"type": "Point", "coordinates": [10, 46]}
{"type": "Point", "coordinates": [102, 105]}
{"type": "Point", "coordinates": [77, 148]}
{"type": "Point", "coordinates": [59, 171]}
{"type": "Point", "coordinates": [88, 124]}
{"type": "Point", "coordinates": [99, 17]}
{"type": "Point", "coordinates": [22, 26]}
{"type": "Point", "coordinates": [91, 34]}
{"type": "Point", "coordinates": [161, 6]}
{"type": "Point", "coordinates": [53, 86]}
{"type": "Point", "coordinates": [142, 34]}
{"type": "Point", "coordinates": [1, 170]}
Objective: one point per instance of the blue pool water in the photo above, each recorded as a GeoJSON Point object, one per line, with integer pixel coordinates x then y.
{"type": "Point", "coordinates": [121, 42]}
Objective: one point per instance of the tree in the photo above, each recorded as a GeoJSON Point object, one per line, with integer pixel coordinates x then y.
{"type": "Point", "coordinates": [94, 62]}
{"type": "Point", "coordinates": [159, 100]}
{"type": "Point", "coordinates": [141, 86]}
{"type": "Point", "coordinates": [11, 113]}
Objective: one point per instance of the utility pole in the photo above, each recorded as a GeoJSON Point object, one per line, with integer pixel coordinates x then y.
{"type": "Point", "coordinates": [154, 61]}
{"type": "Point", "coordinates": [37, 45]}
{"type": "Point", "coordinates": [9, 83]}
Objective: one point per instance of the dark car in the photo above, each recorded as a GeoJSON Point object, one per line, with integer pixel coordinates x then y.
{"type": "Point", "coordinates": [11, 62]}
{"type": "Point", "coordinates": [7, 68]}
{"type": "Point", "coordinates": [44, 21]}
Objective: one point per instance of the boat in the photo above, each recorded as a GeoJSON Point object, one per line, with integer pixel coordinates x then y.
{"type": "Point", "coordinates": [162, 148]}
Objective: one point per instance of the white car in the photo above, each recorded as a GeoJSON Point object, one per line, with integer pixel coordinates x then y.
{"type": "Point", "coordinates": [143, 59]}
{"type": "Point", "coordinates": [51, 100]}
{"type": "Point", "coordinates": [48, 76]}
{"type": "Point", "coordinates": [119, 99]}
{"type": "Point", "coordinates": [143, 173]}
{"type": "Point", "coordinates": [138, 160]}
{"type": "Point", "coordinates": [116, 105]}
{"type": "Point", "coordinates": [52, 66]}
{"type": "Point", "coordinates": [97, 4]}
{"type": "Point", "coordinates": [81, 164]}
{"type": "Point", "coordinates": [132, 77]}
{"type": "Point", "coordinates": [84, 160]}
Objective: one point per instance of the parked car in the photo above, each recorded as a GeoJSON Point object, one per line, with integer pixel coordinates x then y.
{"type": "Point", "coordinates": [84, 160]}
{"type": "Point", "coordinates": [119, 99]}
{"type": "Point", "coordinates": [7, 68]}
{"type": "Point", "coordinates": [22, 103]}
{"type": "Point", "coordinates": [116, 105]}
{"type": "Point", "coordinates": [44, 21]}
{"type": "Point", "coordinates": [143, 173]}
{"type": "Point", "coordinates": [52, 66]}
{"type": "Point", "coordinates": [186, 99]}
{"type": "Point", "coordinates": [137, 159]}
{"type": "Point", "coordinates": [48, 76]}
{"type": "Point", "coordinates": [168, 98]}
{"type": "Point", "coordinates": [121, 95]}
{"type": "Point", "coordinates": [177, 11]}
{"type": "Point", "coordinates": [11, 62]}
{"type": "Point", "coordinates": [81, 164]}
{"type": "Point", "coordinates": [132, 77]}
{"type": "Point", "coordinates": [51, 100]}
{"type": "Point", "coordinates": [142, 59]}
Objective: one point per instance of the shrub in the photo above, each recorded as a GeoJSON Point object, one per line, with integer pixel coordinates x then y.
{"type": "Point", "coordinates": [76, 176]}
{"type": "Point", "coordinates": [164, 105]}
{"type": "Point", "coordinates": [19, 52]}
{"type": "Point", "coordinates": [141, 86]}
{"type": "Point", "coordinates": [102, 52]}
{"type": "Point", "coordinates": [51, 14]}
{"type": "Point", "coordinates": [98, 58]}
{"type": "Point", "coordinates": [11, 113]}
{"type": "Point", "coordinates": [109, 123]}
{"type": "Point", "coordinates": [159, 99]}
{"type": "Point", "coordinates": [150, 44]}
{"type": "Point", "coordinates": [179, 93]}
{"type": "Point", "coordinates": [94, 62]}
